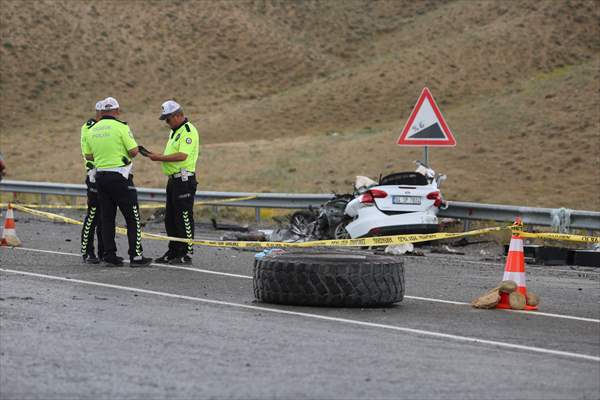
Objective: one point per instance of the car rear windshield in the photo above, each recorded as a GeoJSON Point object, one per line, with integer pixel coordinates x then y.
{"type": "Point", "coordinates": [404, 178]}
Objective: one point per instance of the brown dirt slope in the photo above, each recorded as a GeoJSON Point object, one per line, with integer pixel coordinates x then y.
{"type": "Point", "coordinates": [518, 83]}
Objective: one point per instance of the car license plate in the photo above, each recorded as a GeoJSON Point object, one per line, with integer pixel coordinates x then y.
{"type": "Point", "coordinates": [412, 200]}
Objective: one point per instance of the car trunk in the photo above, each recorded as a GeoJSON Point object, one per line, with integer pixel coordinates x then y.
{"type": "Point", "coordinates": [404, 199]}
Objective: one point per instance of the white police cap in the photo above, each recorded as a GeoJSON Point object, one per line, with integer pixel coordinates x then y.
{"type": "Point", "coordinates": [168, 107]}
{"type": "Point", "coordinates": [110, 103]}
{"type": "Point", "coordinates": [100, 105]}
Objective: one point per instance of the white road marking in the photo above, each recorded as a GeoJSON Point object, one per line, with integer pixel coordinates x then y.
{"type": "Point", "coordinates": [44, 251]}
{"type": "Point", "coordinates": [500, 264]}
{"type": "Point", "coordinates": [514, 311]}
{"type": "Point", "coordinates": [206, 271]}
{"type": "Point", "coordinates": [433, 300]}
{"type": "Point", "coordinates": [421, 332]}
{"type": "Point", "coordinates": [460, 303]}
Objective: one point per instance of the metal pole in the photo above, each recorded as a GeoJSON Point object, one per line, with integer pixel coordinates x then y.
{"type": "Point", "coordinates": [257, 214]}
{"type": "Point", "coordinates": [426, 155]}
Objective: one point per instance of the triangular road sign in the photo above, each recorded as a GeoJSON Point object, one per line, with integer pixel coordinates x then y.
{"type": "Point", "coordinates": [426, 126]}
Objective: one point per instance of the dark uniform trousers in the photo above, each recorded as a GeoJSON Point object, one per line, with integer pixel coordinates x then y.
{"type": "Point", "coordinates": [179, 214]}
{"type": "Point", "coordinates": [116, 191]}
{"type": "Point", "coordinates": [91, 223]}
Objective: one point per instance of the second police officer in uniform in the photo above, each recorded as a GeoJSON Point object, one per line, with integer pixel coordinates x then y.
{"type": "Point", "coordinates": [91, 222]}
{"type": "Point", "coordinates": [179, 164]}
{"type": "Point", "coordinates": [110, 144]}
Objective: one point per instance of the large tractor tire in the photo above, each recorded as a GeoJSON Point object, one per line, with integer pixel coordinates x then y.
{"type": "Point", "coordinates": [329, 278]}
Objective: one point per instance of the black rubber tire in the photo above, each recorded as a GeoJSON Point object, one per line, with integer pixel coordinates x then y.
{"type": "Point", "coordinates": [329, 278]}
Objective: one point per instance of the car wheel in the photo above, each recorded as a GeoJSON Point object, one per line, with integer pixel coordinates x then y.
{"type": "Point", "coordinates": [340, 231]}
{"type": "Point", "coordinates": [301, 223]}
{"type": "Point", "coordinates": [330, 278]}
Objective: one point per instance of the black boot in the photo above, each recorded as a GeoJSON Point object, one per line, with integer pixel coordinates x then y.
{"type": "Point", "coordinates": [164, 259]}
{"type": "Point", "coordinates": [185, 259]}
{"type": "Point", "coordinates": [91, 259]}
{"type": "Point", "coordinates": [113, 261]}
{"type": "Point", "coordinates": [140, 261]}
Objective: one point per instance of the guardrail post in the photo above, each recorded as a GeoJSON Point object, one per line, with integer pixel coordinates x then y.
{"type": "Point", "coordinates": [257, 214]}
{"type": "Point", "coordinates": [466, 225]}
{"type": "Point", "coordinates": [43, 198]}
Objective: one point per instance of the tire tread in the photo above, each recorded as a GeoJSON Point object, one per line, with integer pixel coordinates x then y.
{"type": "Point", "coordinates": [321, 281]}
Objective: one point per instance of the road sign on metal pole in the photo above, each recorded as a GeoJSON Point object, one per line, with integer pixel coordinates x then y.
{"type": "Point", "coordinates": [426, 126]}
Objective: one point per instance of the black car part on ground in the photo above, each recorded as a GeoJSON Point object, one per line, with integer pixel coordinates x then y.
{"type": "Point", "coordinates": [329, 278]}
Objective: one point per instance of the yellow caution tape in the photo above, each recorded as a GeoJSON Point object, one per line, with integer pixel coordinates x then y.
{"type": "Point", "coordinates": [210, 203]}
{"type": "Point", "coordinates": [48, 206]}
{"type": "Point", "coordinates": [54, 217]}
{"type": "Point", "coordinates": [517, 229]}
{"type": "Point", "coordinates": [560, 236]}
{"type": "Point", "coordinates": [141, 206]}
{"type": "Point", "coordinates": [372, 241]}
{"type": "Point", "coordinates": [397, 239]}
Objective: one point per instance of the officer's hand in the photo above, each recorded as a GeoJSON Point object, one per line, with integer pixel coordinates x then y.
{"type": "Point", "coordinates": [143, 151]}
{"type": "Point", "coordinates": [154, 157]}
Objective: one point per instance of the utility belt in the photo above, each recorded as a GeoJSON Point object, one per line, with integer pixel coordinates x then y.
{"type": "Point", "coordinates": [184, 175]}
{"type": "Point", "coordinates": [113, 172]}
{"type": "Point", "coordinates": [125, 171]}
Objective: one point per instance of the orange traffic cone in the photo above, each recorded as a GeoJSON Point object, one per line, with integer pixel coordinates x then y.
{"type": "Point", "coordinates": [9, 234]}
{"type": "Point", "coordinates": [515, 269]}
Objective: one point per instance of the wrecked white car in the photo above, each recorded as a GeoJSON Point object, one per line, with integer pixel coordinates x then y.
{"type": "Point", "coordinates": [400, 203]}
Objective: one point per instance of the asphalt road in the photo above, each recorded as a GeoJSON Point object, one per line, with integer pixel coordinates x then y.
{"type": "Point", "coordinates": [70, 330]}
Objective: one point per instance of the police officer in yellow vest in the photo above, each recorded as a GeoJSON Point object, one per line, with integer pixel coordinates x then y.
{"type": "Point", "coordinates": [179, 164]}
{"type": "Point", "coordinates": [91, 222]}
{"type": "Point", "coordinates": [110, 144]}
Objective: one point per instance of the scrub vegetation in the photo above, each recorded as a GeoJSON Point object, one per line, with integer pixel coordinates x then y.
{"type": "Point", "coordinates": [301, 96]}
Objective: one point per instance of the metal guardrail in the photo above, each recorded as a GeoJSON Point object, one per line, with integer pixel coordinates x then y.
{"type": "Point", "coordinates": [559, 218]}
{"type": "Point", "coordinates": [262, 200]}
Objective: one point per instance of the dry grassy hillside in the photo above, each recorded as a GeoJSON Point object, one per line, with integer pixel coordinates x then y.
{"type": "Point", "coordinates": [332, 81]}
